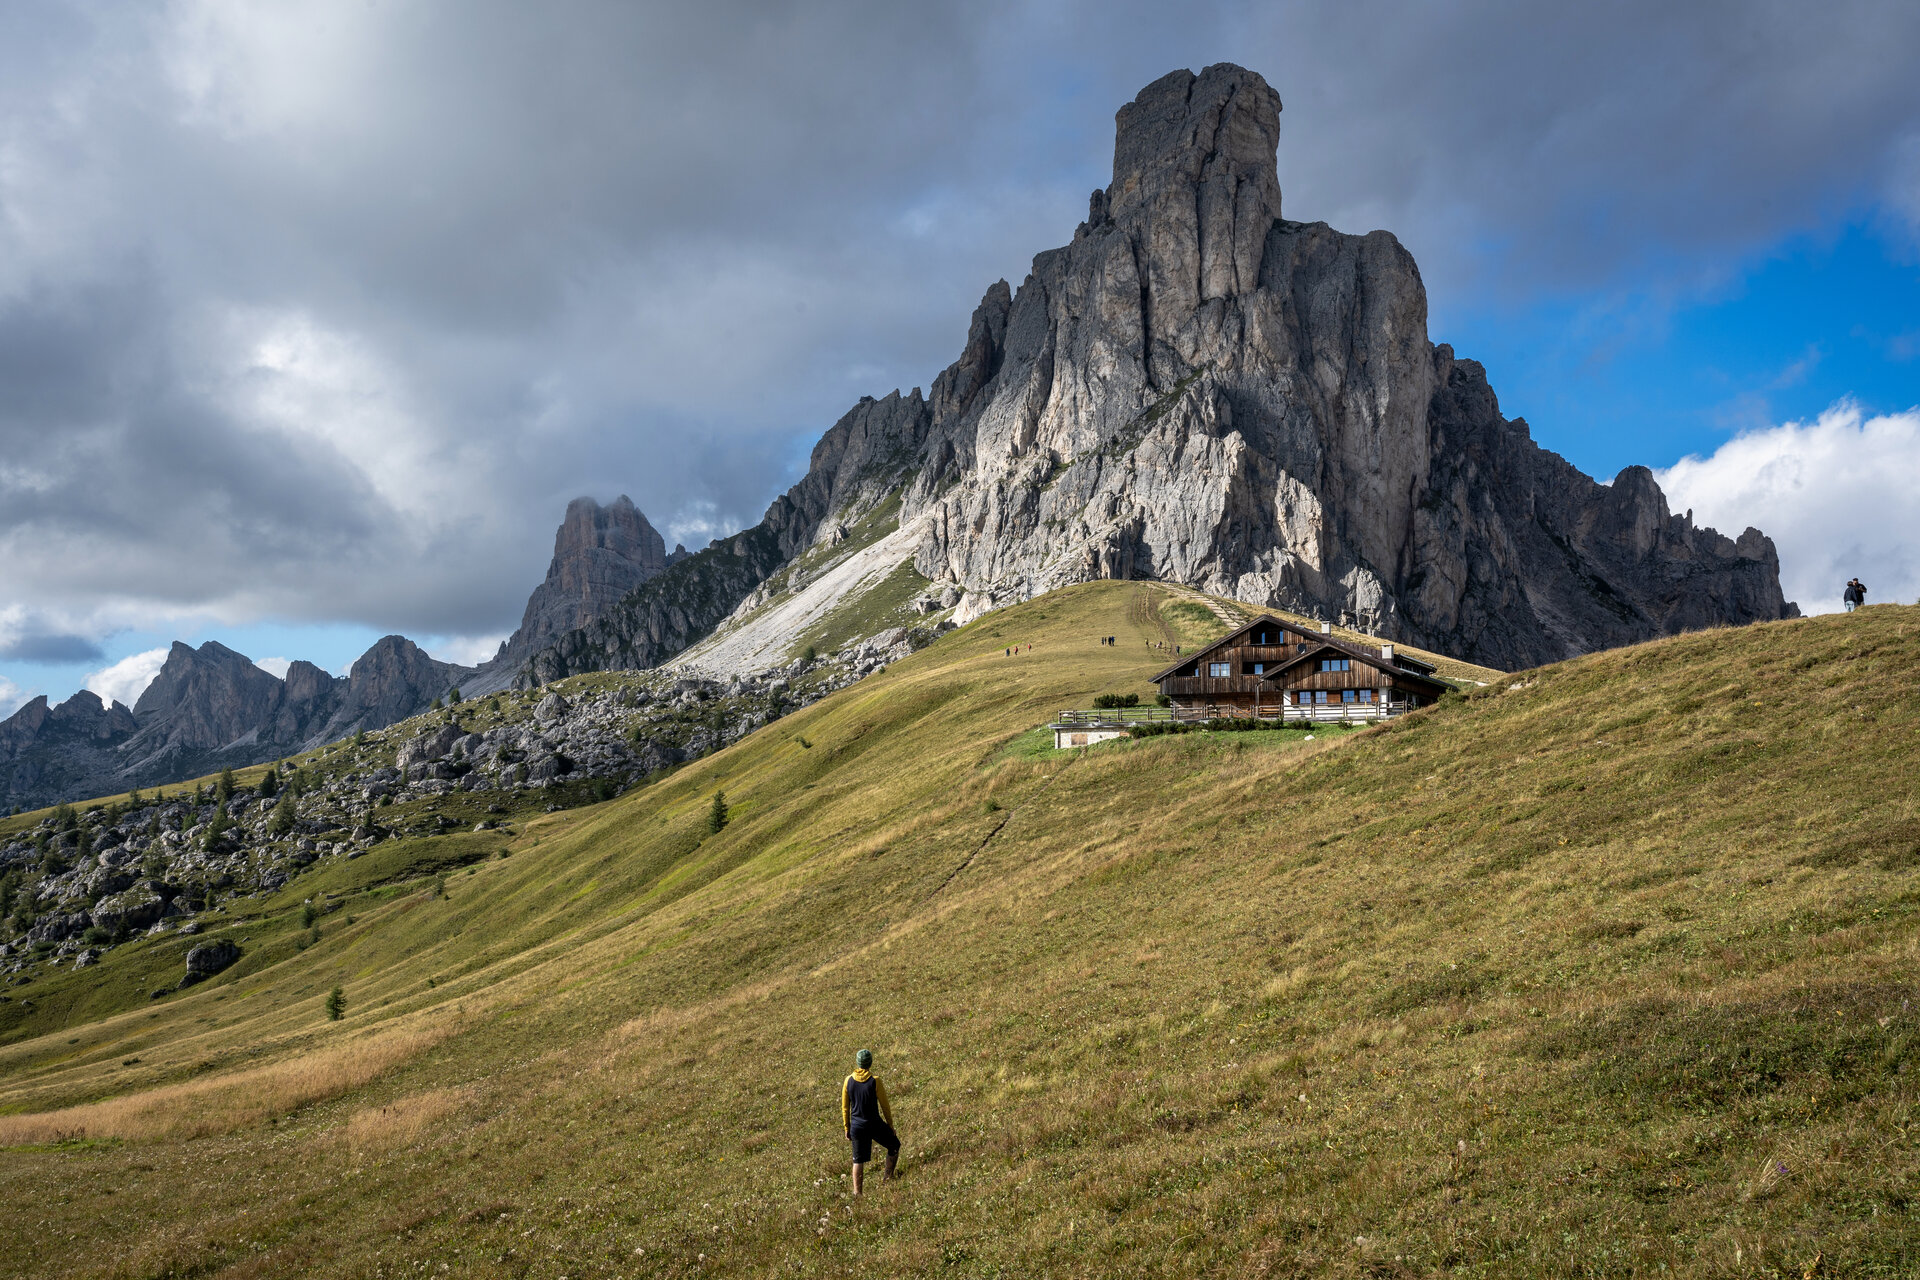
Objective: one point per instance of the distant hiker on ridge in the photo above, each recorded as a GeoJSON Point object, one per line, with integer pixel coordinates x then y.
{"type": "Point", "coordinates": [1855, 595]}
{"type": "Point", "coordinates": [866, 1117]}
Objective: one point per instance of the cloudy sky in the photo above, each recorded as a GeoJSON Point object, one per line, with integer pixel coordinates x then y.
{"type": "Point", "coordinates": [313, 316]}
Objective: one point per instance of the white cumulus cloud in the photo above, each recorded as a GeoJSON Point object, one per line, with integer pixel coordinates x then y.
{"type": "Point", "coordinates": [1839, 496]}
{"type": "Point", "coordinates": [128, 678]}
{"type": "Point", "coordinates": [11, 697]}
{"type": "Point", "coordinates": [274, 666]}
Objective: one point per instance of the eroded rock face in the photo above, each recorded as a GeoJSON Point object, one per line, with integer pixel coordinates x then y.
{"type": "Point", "coordinates": [1198, 390]}
{"type": "Point", "coordinates": [600, 554]}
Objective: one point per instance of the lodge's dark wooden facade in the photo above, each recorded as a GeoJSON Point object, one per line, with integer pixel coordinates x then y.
{"type": "Point", "coordinates": [1269, 664]}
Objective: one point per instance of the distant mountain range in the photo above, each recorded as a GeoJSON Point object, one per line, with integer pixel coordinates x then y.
{"type": "Point", "coordinates": [211, 707]}
{"type": "Point", "coordinates": [1195, 389]}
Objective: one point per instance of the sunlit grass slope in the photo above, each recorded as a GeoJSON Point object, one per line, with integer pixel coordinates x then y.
{"type": "Point", "coordinates": [1610, 973]}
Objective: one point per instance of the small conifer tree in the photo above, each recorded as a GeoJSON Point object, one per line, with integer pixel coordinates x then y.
{"type": "Point", "coordinates": [224, 788]}
{"type": "Point", "coordinates": [281, 823]}
{"type": "Point", "coordinates": [270, 782]}
{"type": "Point", "coordinates": [717, 813]}
{"type": "Point", "coordinates": [308, 914]}
{"type": "Point", "coordinates": [336, 1004]}
{"type": "Point", "coordinates": [454, 696]}
{"type": "Point", "coordinates": [217, 825]}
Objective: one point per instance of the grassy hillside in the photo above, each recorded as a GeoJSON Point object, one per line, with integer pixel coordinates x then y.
{"type": "Point", "coordinates": [1607, 969]}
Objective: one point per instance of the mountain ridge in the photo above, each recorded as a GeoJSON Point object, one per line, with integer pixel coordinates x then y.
{"type": "Point", "coordinates": [211, 707]}
{"type": "Point", "coordinates": [1199, 390]}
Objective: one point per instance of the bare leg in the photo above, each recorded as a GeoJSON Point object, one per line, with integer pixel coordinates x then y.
{"type": "Point", "coordinates": [858, 1169]}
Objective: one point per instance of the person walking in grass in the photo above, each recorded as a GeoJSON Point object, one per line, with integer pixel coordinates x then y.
{"type": "Point", "coordinates": [1855, 595]}
{"type": "Point", "coordinates": [867, 1118]}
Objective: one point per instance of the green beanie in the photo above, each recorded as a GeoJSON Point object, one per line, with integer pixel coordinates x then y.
{"type": "Point", "coordinates": [863, 1059]}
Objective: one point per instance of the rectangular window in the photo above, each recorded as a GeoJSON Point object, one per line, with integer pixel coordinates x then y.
{"type": "Point", "coordinates": [1366, 695]}
{"type": "Point", "coordinates": [1336, 664]}
{"type": "Point", "coordinates": [1217, 668]}
{"type": "Point", "coordinates": [1349, 695]}
{"type": "Point", "coordinates": [1258, 668]}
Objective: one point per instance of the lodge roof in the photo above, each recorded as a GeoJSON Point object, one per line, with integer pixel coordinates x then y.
{"type": "Point", "coordinates": [1359, 653]}
{"type": "Point", "coordinates": [1398, 662]}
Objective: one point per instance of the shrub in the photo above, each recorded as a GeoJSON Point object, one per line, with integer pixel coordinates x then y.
{"type": "Point", "coordinates": [807, 654]}
{"type": "Point", "coordinates": [437, 704]}
{"type": "Point", "coordinates": [95, 936]}
{"type": "Point", "coordinates": [717, 813]}
{"type": "Point", "coordinates": [453, 695]}
{"type": "Point", "coordinates": [1162, 700]}
{"type": "Point", "coordinates": [308, 914]}
{"type": "Point", "coordinates": [336, 1004]}
{"type": "Point", "coordinates": [1107, 701]}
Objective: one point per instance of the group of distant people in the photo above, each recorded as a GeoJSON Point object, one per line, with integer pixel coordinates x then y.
{"type": "Point", "coordinates": [1855, 595]}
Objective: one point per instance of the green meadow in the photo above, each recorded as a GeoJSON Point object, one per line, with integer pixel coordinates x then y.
{"type": "Point", "coordinates": [1603, 969]}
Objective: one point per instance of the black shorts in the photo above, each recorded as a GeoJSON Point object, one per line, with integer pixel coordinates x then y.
{"type": "Point", "coordinates": [864, 1138]}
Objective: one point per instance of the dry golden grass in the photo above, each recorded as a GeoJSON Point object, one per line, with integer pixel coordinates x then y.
{"type": "Point", "coordinates": [225, 1102]}
{"type": "Point", "coordinates": [402, 1122]}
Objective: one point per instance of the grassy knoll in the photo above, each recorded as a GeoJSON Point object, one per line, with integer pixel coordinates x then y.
{"type": "Point", "coordinates": [1609, 973]}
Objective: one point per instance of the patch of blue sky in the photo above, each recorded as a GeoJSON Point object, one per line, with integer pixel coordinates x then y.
{"type": "Point", "coordinates": [1640, 377]}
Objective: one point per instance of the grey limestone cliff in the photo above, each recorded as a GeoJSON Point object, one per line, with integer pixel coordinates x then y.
{"type": "Point", "coordinates": [1200, 390]}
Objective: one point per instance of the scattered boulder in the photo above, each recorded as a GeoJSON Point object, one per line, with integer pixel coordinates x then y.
{"type": "Point", "coordinates": [125, 912]}
{"type": "Point", "coordinates": [551, 708]}
{"type": "Point", "coordinates": [432, 745]}
{"type": "Point", "coordinates": [208, 959]}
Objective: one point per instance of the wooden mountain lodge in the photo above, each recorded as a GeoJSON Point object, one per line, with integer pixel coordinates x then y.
{"type": "Point", "coordinates": [1273, 669]}
{"type": "Point", "coordinates": [1270, 670]}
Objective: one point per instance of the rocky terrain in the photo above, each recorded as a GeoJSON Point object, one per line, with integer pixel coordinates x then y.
{"type": "Point", "coordinates": [79, 882]}
{"type": "Point", "coordinates": [1200, 390]}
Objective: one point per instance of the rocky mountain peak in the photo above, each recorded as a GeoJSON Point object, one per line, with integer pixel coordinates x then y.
{"type": "Point", "coordinates": [600, 553]}
{"type": "Point", "coordinates": [1214, 135]}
